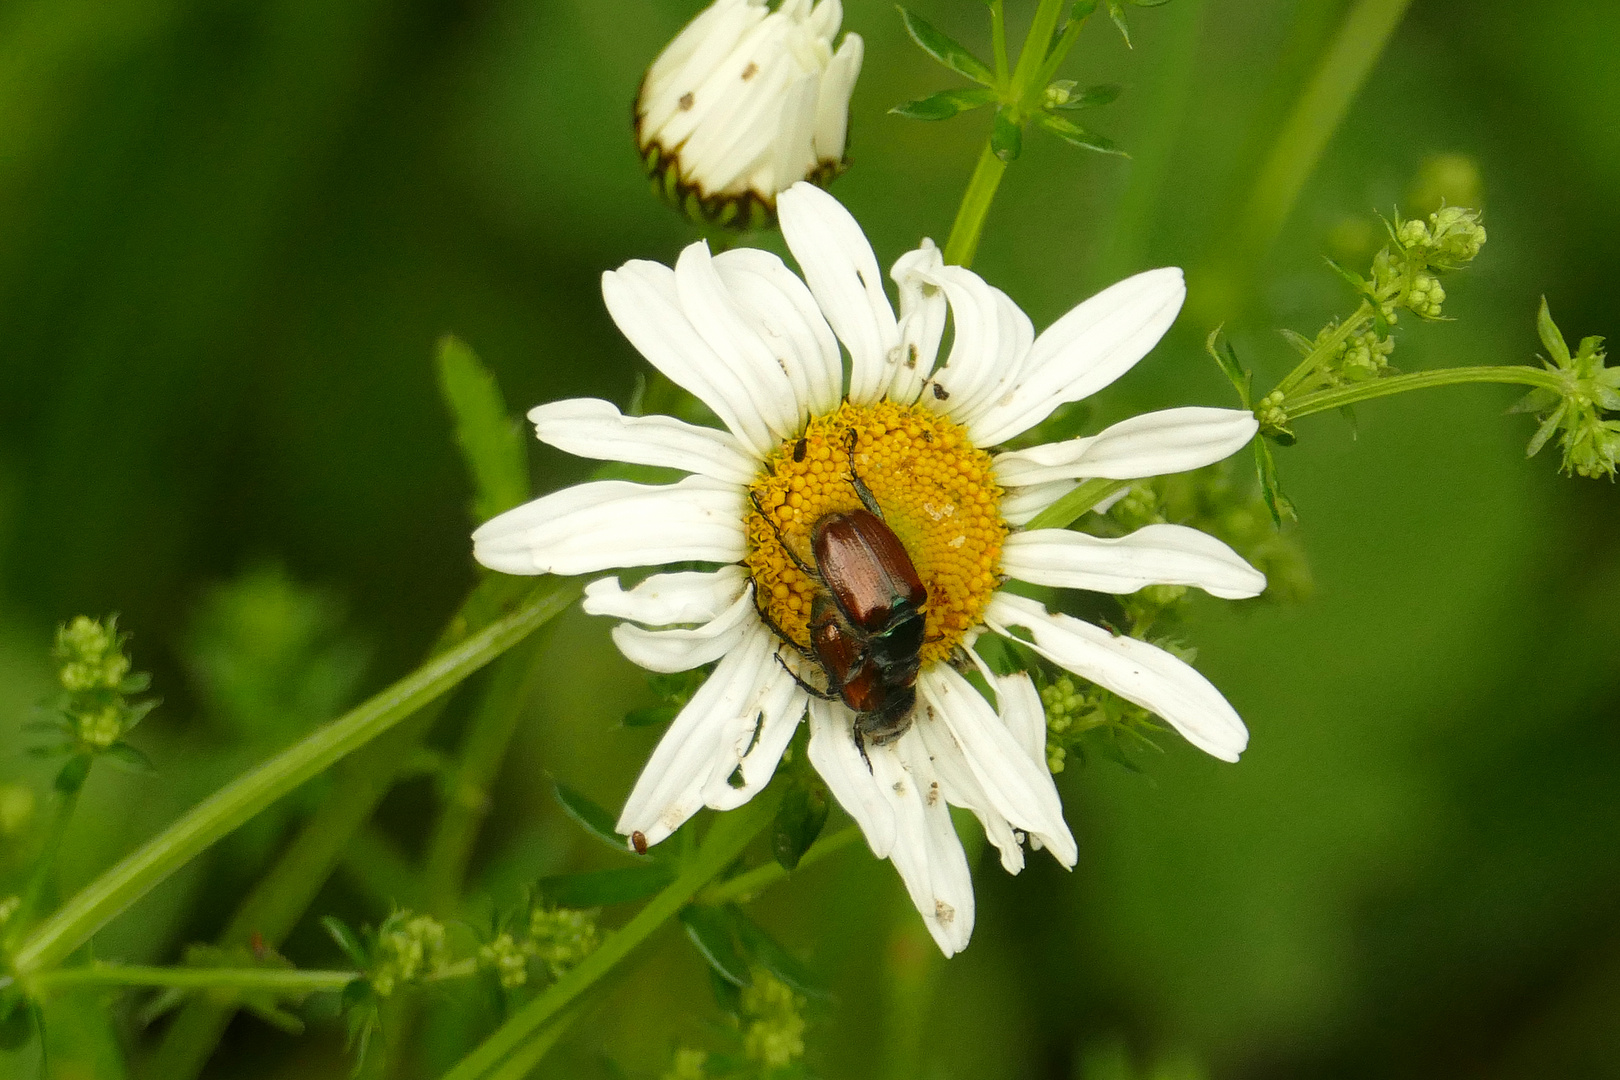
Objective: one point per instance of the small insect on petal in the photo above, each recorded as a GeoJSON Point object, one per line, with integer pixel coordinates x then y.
{"type": "Point", "coordinates": [638, 840]}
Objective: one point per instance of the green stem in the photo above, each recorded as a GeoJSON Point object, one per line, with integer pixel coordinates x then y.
{"type": "Point", "coordinates": [39, 882]}
{"type": "Point", "coordinates": [190, 978]}
{"type": "Point", "coordinates": [141, 871]}
{"type": "Point", "coordinates": [726, 839]}
{"type": "Point", "coordinates": [1037, 86]}
{"type": "Point", "coordinates": [1339, 76]}
{"type": "Point", "coordinates": [998, 38]}
{"type": "Point", "coordinates": [1326, 350]}
{"type": "Point", "coordinates": [1032, 57]}
{"type": "Point", "coordinates": [765, 875]}
{"type": "Point", "coordinates": [981, 192]}
{"type": "Point", "coordinates": [283, 894]}
{"type": "Point", "coordinates": [1067, 510]}
{"type": "Point", "coordinates": [466, 799]}
{"type": "Point", "coordinates": [1339, 397]}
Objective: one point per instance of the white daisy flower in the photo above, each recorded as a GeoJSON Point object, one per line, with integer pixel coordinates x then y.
{"type": "Point", "coordinates": [760, 347]}
{"type": "Point", "coordinates": [744, 103]}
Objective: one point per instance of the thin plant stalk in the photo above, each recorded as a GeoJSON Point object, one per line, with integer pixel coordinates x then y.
{"type": "Point", "coordinates": [765, 875]}
{"type": "Point", "coordinates": [726, 839]}
{"type": "Point", "coordinates": [138, 873]}
{"type": "Point", "coordinates": [1339, 397]}
{"type": "Point", "coordinates": [192, 978]}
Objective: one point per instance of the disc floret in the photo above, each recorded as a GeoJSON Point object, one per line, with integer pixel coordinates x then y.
{"type": "Point", "coordinates": [937, 492]}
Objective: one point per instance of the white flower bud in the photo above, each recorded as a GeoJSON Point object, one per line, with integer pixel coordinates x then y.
{"type": "Point", "coordinates": [744, 103]}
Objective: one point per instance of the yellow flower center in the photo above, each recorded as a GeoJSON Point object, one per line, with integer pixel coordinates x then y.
{"type": "Point", "coordinates": [937, 493]}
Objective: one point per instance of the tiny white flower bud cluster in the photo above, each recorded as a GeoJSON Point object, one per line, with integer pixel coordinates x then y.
{"type": "Point", "coordinates": [744, 103]}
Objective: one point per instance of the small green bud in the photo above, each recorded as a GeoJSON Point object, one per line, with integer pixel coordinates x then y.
{"type": "Point", "coordinates": [16, 808]}
{"type": "Point", "coordinates": [1591, 443]}
{"type": "Point", "coordinates": [1425, 295]}
{"type": "Point", "coordinates": [689, 1064]}
{"type": "Point", "coordinates": [90, 655]}
{"type": "Point", "coordinates": [1271, 414]}
{"type": "Point", "coordinates": [1412, 234]}
{"type": "Point", "coordinates": [562, 937]}
{"type": "Point", "coordinates": [506, 960]}
{"type": "Point", "coordinates": [408, 948]}
{"type": "Point", "coordinates": [1458, 237]}
{"type": "Point", "coordinates": [1058, 94]}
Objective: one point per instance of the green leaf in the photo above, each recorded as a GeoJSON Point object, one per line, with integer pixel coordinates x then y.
{"type": "Point", "coordinates": [651, 716]}
{"type": "Point", "coordinates": [1093, 97]}
{"type": "Point", "coordinates": [1221, 349]}
{"type": "Point", "coordinates": [592, 818]}
{"type": "Point", "coordinates": [71, 778]}
{"type": "Point", "coordinates": [128, 757]}
{"type": "Point", "coordinates": [712, 931]}
{"type": "Point", "coordinates": [1357, 282]}
{"type": "Point", "coordinates": [1076, 135]}
{"type": "Point", "coordinates": [491, 442]}
{"type": "Point", "coordinates": [1302, 344]}
{"type": "Point", "coordinates": [1083, 9]}
{"type": "Point", "coordinates": [598, 888]}
{"type": "Point", "coordinates": [1281, 506]}
{"type": "Point", "coordinates": [946, 103]}
{"type": "Point", "coordinates": [1545, 432]}
{"type": "Point", "coordinates": [1149, 3]}
{"type": "Point", "coordinates": [1006, 134]}
{"type": "Point", "coordinates": [768, 954]}
{"type": "Point", "coordinates": [948, 51]}
{"type": "Point", "coordinates": [799, 819]}
{"type": "Point", "coordinates": [1551, 336]}
{"type": "Point", "coordinates": [1116, 12]}
{"type": "Point", "coordinates": [348, 941]}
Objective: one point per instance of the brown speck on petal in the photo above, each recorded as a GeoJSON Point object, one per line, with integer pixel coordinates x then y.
{"type": "Point", "coordinates": [638, 840]}
{"type": "Point", "coordinates": [687, 101]}
{"type": "Point", "coordinates": [750, 71]}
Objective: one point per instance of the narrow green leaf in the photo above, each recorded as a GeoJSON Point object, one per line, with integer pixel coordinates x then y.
{"type": "Point", "coordinates": [768, 954]}
{"type": "Point", "coordinates": [799, 820]}
{"type": "Point", "coordinates": [1006, 135]}
{"type": "Point", "coordinates": [1551, 336]}
{"type": "Point", "coordinates": [947, 50]}
{"type": "Point", "coordinates": [1076, 135]}
{"type": "Point", "coordinates": [1536, 401]}
{"type": "Point", "coordinates": [1093, 97]}
{"type": "Point", "coordinates": [128, 757]}
{"type": "Point", "coordinates": [1083, 9]}
{"type": "Point", "coordinates": [946, 103]}
{"type": "Point", "coordinates": [1545, 432]}
{"type": "Point", "coordinates": [1279, 504]}
{"type": "Point", "coordinates": [712, 931]}
{"type": "Point", "coordinates": [1149, 3]}
{"type": "Point", "coordinates": [491, 442]}
{"type": "Point", "coordinates": [1226, 357]}
{"type": "Point", "coordinates": [1116, 12]}
{"type": "Point", "coordinates": [347, 940]}
{"type": "Point", "coordinates": [598, 888]}
{"type": "Point", "coordinates": [592, 818]}
{"type": "Point", "coordinates": [1302, 344]}
{"type": "Point", "coordinates": [71, 778]}
{"type": "Point", "coordinates": [1357, 282]}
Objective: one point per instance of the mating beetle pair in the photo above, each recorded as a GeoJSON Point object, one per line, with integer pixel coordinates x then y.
{"type": "Point", "coordinates": [866, 621]}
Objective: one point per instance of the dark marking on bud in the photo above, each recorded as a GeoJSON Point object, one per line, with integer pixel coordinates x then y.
{"type": "Point", "coordinates": [638, 840]}
{"type": "Point", "coordinates": [750, 71]}
{"type": "Point", "coordinates": [799, 449]}
{"type": "Point", "coordinates": [940, 392]}
{"type": "Point", "coordinates": [687, 101]}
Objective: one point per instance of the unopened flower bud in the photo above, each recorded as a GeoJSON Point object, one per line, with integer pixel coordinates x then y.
{"type": "Point", "coordinates": [1458, 236]}
{"type": "Point", "coordinates": [1426, 295]}
{"type": "Point", "coordinates": [506, 960]}
{"type": "Point", "coordinates": [744, 103]}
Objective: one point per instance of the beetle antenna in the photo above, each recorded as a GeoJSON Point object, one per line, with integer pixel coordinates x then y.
{"type": "Point", "coordinates": [868, 500]}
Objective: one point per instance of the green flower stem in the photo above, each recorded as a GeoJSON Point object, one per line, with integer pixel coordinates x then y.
{"type": "Point", "coordinates": [1032, 57]}
{"type": "Point", "coordinates": [1339, 397]}
{"type": "Point", "coordinates": [998, 39]}
{"type": "Point", "coordinates": [39, 882]}
{"type": "Point", "coordinates": [193, 978]}
{"type": "Point", "coordinates": [285, 891]}
{"type": "Point", "coordinates": [981, 192]}
{"type": "Point", "coordinates": [765, 875]}
{"type": "Point", "coordinates": [1339, 76]}
{"type": "Point", "coordinates": [1327, 349]}
{"type": "Point", "coordinates": [466, 799]}
{"type": "Point", "coordinates": [1037, 86]}
{"type": "Point", "coordinates": [522, 1063]}
{"type": "Point", "coordinates": [138, 873]}
{"type": "Point", "coordinates": [726, 839]}
{"type": "Point", "coordinates": [1067, 510]}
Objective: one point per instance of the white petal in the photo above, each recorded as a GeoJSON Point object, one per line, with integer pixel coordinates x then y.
{"type": "Point", "coordinates": [1132, 669]}
{"type": "Point", "coordinates": [1153, 444]}
{"type": "Point", "coordinates": [832, 106]}
{"type": "Point", "coordinates": [757, 745]}
{"type": "Point", "coordinates": [670, 788]}
{"type": "Point", "coordinates": [1152, 555]}
{"type": "Point", "coordinates": [1020, 505]}
{"type": "Point", "coordinates": [1019, 789]}
{"type": "Point", "coordinates": [779, 308]}
{"type": "Point", "coordinates": [922, 319]}
{"type": "Point", "coordinates": [643, 300]}
{"type": "Point", "coordinates": [592, 428]}
{"type": "Point", "coordinates": [695, 51]}
{"type": "Point", "coordinates": [793, 150]}
{"type": "Point", "coordinates": [843, 275]}
{"type": "Point", "coordinates": [683, 650]}
{"type": "Point", "coordinates": [927, 852]}
{"type": "Point", "coordinates": [608, 524]}
{"type": "Point", "coordinates": [981, 349]}
{"type": "Point", "coordinates": [1084, 351]}
{"type": "Point", "coordinates": [962, 788]}
{"type": "Point", "coordinates": [833, 753]}
{"type": "Point", "coordinates": [1019, 705]}
{"type": "Point", "coordinates": [690, 596]}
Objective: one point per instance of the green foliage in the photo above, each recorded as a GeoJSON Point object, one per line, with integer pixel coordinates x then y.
{"type": "Point", "coordinates": [946, 49]}
{"type": "Point", "coordinates": [1588, 389]}
{"type": "Point", "coordinates": [492, 444]}
{"type": "Point", "coordinates": [94, 711]}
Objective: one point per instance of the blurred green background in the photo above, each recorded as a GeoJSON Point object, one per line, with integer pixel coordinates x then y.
{"type": "Point", "coordinates": [231, 232]}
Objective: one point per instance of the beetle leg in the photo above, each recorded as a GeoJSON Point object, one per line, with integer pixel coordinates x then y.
{"type": "Point", "coordinates": [868, 500]}
{"type": "Point", "coordinates": [813, 691]}
{"type": "Point", "coordinates": [804, 568]}
{"type": "Point", "coordinates": [771, 625]}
